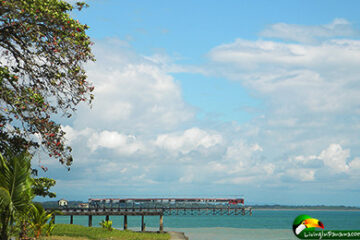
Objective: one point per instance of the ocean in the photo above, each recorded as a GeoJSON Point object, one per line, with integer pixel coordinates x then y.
{"type": "Point", "coordinates": [263, 224]}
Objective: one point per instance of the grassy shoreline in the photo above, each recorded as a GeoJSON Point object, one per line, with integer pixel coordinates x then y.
{"type": "Point", "coordinates": [78, 232]}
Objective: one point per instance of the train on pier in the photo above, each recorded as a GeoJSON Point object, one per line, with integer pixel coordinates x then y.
{"type": "Point", "coordinates": [162, 202]}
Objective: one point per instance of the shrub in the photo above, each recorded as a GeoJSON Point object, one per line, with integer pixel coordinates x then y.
{"type": "Point", "coordinates": [107, 225]}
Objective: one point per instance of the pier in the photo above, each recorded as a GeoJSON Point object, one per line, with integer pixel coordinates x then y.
{"type": "Point", "coordinates": [90, 212]}
{"type": "Point", "coordinates": [157, 207]}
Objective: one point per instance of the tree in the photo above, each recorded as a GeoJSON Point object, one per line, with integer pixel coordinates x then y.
{"type": "Point", "coordinates": [38, 218]}
{"type": "Point", "coordinates": [15, 189]}
{"type": "Point", "coordinates": [42, 55]}
{"type": "Point", "coordinates": [41, 187]}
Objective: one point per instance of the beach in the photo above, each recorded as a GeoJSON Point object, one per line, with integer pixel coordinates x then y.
{"type": "Point", "coordinates": [221, 233]}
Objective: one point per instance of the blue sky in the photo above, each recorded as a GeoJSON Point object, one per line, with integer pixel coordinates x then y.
{"type": "Point", "coordinates": [205, 98]}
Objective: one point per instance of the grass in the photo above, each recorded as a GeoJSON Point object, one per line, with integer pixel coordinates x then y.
{"type": "Point", "coordinates": [72, 231]}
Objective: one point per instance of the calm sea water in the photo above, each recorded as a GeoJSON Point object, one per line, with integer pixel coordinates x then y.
{"type": "Point", "coordinates": [263, 224]}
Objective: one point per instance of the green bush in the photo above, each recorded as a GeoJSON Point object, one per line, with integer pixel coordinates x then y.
{"type": "Point", "coordinates": [106, 225]}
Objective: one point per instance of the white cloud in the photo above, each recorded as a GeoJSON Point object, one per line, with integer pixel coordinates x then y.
{"type": "Point", "coordinates": [239, 165]}
{"type": "Point", "coordinates": [355, 164]}
{"type": "Point", "coordinates": [123, 144]}
{"type": "Point", "coordinates": [315, 78]}
{"type": "Point", "coordinates": [132, 93]}
{"type": "Point", "coordinates": [303, 159]}
{"type": "Point", "coordinates": [271, 55]}
{"type": "Point", "coordinates": [73, 134]}
{"type": "Point", "coordinates": [240, 151]}
{"type": "Point", "coordinates": [310, 91]}
{"type": "Point", "coordinates": [335, 158]}
{"type": "Point", "coordinates": [300, 33]}
{"type": "Point", "coordinates": [190, 140]}
{"type": "Point", "coordinates": [301, 174]}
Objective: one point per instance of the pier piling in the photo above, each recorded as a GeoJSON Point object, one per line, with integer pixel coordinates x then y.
{"type": "Point", "coordinates": [125, 222]}
{"type": "Point", "coordinates": [90, 220]}
{"type": "Point", "coordinates": [161, 228]}
{"type": "Point", "coordinates": [142, 223]}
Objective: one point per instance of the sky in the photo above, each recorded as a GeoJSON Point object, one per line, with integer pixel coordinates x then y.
{"type": "Point", "coordinates": [254, 99]}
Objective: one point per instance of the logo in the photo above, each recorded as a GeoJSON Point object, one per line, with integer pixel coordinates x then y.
{"type": "Point", "coordinates": [303, 222]}
{"type": "Point", "coordinates": [306, 227]}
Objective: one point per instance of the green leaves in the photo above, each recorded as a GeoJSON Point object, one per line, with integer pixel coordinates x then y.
{"type": "Point", "coordinates": [41, 187]}
{"type": "Point", "coordinates": [44, 51]}
{"type": "Point", "coordinates": [38, 219]}
{"type": "Point", "coordinates": [5, 198]}
{"type": "Point", "coordinates": [106, 225]}
{"type": "Point", "coordinates": [15, 178]}
{"type": "Point", "coordinates": [15, 188]}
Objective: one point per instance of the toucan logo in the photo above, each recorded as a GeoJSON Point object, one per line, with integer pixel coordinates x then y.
{"type": "Point", "coordinates": [303, 222]}
{"type": "Point", "coordinates": [304, 228]}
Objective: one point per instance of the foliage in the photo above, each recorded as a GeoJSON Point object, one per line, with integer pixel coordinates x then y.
{"type": "Point", "coordinates": [4, 198]}
{"type": "Point", "coordinates": [38, 219]}
{"type": "Point", "coordinates": [15, 185]}
{"type": "Point", "coordinates": [72, 230]}
{"type": "Point", "coordinates": [106, 225]}
{"type": "Point", "coordinates": [50, 227]}
{"type": "Point", "coordinates": [41, 187]}
{"type": "Point", "coordinates": [42, 52]}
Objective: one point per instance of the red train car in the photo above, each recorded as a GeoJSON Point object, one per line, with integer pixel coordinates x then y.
{"type": "Point", "coordinates": [236, 201]}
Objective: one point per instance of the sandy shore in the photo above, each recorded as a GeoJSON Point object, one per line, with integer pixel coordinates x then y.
{"type": "Point", "coordinates": [220, 233]}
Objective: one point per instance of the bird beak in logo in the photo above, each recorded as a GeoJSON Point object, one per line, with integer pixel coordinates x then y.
{"type": "Point", "coordinates": [307, 222]}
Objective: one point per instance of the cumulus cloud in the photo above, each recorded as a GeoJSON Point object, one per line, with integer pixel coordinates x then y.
{"type": "Point", "coordinates": [305, 88]}
{"type": "Point", "coordinates": [355, 164]}
{"type": "Point", "coordinates": [75, 134]}
{"type": "Point", "coordinates": [335, 158]}
{"type": "Point", "coordinates": [337, 28]}
{"type": "Point", "coordinates": [309, 86]}
{"type": "Point", "coordinates": [240, 164]}
{"type": "Point", "coordinates": [123, 144]}
{"type": "Point", "coordinates": [190, 140]}
{"type": "Point", "coordinates": [191, 156]}
{"type": "Point", "coordinates": [133, 93]}
{"type": "Point", "coordinates": [240, 150]}
{"type": "Point", "coordinates": [301, 174]}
